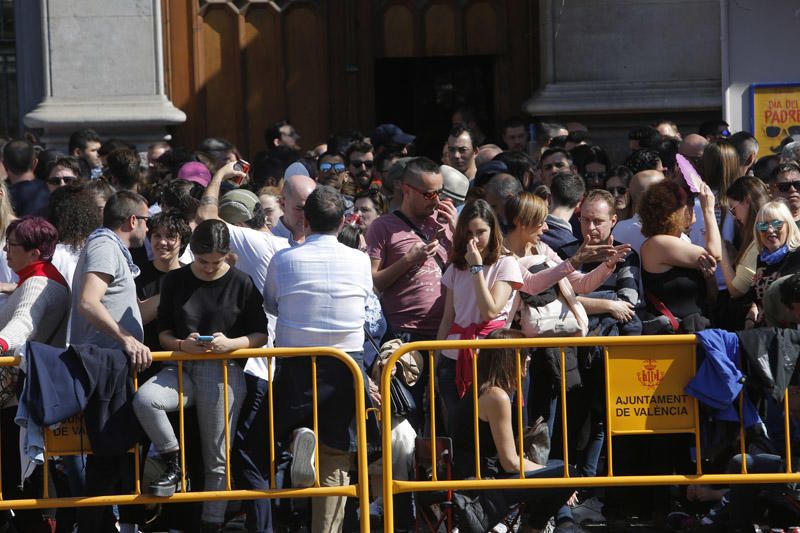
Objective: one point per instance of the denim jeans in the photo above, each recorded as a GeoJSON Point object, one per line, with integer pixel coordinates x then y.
{"type": "Point", "coordinates": [543, 503]}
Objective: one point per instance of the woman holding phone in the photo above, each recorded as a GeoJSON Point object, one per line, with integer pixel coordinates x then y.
{"type": "Point", "coordinates": [189, 320]}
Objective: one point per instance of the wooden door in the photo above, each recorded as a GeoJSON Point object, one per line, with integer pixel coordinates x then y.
{"type": "Point", "coordinates": [236, 66]}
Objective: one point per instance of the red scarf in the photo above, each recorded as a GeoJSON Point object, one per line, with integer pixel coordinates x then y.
{"type": "Point", "coordinates": [41, 268]}
{"type": "Point", "coordinates": [465, 355]}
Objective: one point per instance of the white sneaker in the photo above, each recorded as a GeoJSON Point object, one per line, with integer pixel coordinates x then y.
{"type": "Point", "coordinates": [303, 448]}
{"type": "Point", "coordinates": [589, 511]}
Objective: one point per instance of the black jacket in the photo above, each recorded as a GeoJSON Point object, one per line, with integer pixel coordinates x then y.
{"type": "Point", "coordinates": [769, 357]}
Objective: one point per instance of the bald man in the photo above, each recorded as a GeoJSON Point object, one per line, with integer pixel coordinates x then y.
{"type": "Point", "coordinates": [486, 153]}
{"type": "Point", "coordinates": [692, 147]}
{"type": "Point", "coordinates": [629, 231]}
{"type": "Point", "coordinates": [293, 199]}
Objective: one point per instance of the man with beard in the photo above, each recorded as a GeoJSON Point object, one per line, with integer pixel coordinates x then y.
{"type": "Point", "coordinates": [360, 163]}
{"type": "Point", "coordinates": [105, 313]}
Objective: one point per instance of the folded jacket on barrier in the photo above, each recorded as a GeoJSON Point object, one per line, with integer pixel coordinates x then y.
{"type": "Point", "coordinates": [83, 378]}
{"type": "Point", "coordinates": [769, 357]}
{"type": "Point", "coordinates": [719, 379]}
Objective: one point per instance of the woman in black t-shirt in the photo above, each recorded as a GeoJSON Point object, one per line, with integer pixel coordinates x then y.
{"type": "Point", "coordinates": [206, 298]}
{"type": "Point", "coordinates": [778, 240]}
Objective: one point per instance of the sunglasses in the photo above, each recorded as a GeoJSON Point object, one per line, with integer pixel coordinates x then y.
{"type": "Point", "coordinates": [428, 195]}
{"type": "Point", "coordinates": [784, 186]}
{"type": "Point", "coordinates": [763, 227]}
{"type": "Point", "coordinates": [326, 167]}
{"type": "Point", "coordinates": [60, 180]}
{"type": "Point", "coordinates": [594, 177]}
{"type": "Point", "coordinates": [617, 191]}
{"type": "Point", "coordinates": [365, 164]}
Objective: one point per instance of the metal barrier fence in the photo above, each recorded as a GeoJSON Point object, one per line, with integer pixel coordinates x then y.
{"type": "Point", "coordinates": [644, 381]}
{"type": "Point", "coordinates": [359, 490]}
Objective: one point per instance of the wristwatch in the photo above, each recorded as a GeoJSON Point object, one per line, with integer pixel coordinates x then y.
{"type": "Point", "coordinates": [474, 269]}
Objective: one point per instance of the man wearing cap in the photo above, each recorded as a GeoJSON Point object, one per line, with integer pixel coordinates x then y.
{"type": "Point", "coordinates": [254, 250]}
{"type": "Point", "coordinates": [455, 186]}
{"type": "Point", "coordinates": [386, 135]}
{"type": "Point", "coordinates": [195, 172]}
{"type": "Point", "coordinates": [461, 151]}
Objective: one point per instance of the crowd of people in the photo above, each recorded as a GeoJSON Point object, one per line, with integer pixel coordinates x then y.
{"type": "Point", "coordinates": [111, 254]}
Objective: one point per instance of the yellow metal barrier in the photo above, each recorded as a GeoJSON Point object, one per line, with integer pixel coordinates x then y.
{"type": "Point", "coordinates": [645, 378]}
{"type": "Point", "coordinates": [74, 427]}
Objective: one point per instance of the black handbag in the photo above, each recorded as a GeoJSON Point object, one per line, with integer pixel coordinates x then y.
{"type": "Point", "coordinates": [403, 403]}
{"type": "Point", "coordinates": [402, 400]}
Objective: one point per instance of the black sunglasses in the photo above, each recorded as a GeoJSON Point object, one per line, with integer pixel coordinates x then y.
{"type": "Point", "coordinates": [617, 191]}
{"type": "Point", "coordinates": [774, 131]}
{"type": "Point", "coordinates": [784, 186]}
{"type": "Point", "coordinates": [357, 163]}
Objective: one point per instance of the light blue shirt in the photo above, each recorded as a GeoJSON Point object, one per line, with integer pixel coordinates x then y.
{"type": "Point", "coordinates": [318, 290]}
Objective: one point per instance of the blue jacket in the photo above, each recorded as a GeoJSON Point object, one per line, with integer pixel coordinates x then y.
{"type": "Point", "coordinates": [83, 378]}
{"type": "Point", "coordinates": [718, 380]}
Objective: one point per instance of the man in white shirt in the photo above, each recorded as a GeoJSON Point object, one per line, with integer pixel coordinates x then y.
{"type": "Point", "coordinates": [319, 292]}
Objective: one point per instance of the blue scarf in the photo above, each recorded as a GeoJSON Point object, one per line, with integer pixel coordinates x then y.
{"type": "Point", "coordinates": [107, 233]}
{"type": "Point", "coordinates": [775, 257]}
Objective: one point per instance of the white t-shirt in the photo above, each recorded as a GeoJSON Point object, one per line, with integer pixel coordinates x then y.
{"type": "Point", "coordinates": [465, 298]}
{"type": "Point", "coordinates": [255, 250]}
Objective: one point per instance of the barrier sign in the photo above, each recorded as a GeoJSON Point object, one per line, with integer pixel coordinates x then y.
{"type": "Point", "coordinates": [68, 438]}
{"type": "Point", "coordinates": [775, 114]}
{"type": "Point", "coordinates": [645, 389]}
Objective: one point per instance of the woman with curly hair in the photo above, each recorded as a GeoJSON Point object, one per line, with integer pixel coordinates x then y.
{"type": "Point", "coordinates": [74, 213]}
{"type": "Point", "coordinates": [678, 276]}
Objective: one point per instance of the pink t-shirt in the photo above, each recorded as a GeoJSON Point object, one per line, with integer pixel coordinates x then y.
{"type": "Point", "coordinates": [415, 301]}
{"type": "Point", "coordinates": [465, 297]}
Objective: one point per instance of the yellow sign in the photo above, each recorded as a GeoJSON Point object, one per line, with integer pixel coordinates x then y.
{"type": "Point", "coordinates": [645, 389]}
{"type": "Point", "coordinates": [775, 114]}
{"type": "Point", "coordinates": [68, 438]}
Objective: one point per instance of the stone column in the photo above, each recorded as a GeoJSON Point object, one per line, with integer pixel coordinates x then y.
{"type": "Point", "coordinates": [103, 69]}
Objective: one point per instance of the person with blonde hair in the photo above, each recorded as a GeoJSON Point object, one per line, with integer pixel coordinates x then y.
{"type": "Point", "coordinates": [778, 239]}
{"type": "Point", "coordinates": [526, 214]}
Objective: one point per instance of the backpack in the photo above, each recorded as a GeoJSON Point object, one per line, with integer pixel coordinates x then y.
{"type": "Point", "coordinates": [561, 316]}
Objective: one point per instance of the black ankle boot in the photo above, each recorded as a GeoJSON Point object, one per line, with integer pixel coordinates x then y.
{"type": "Point", "coordinates": [170, 480]}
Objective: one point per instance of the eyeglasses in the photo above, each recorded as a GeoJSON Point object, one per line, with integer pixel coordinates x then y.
{"type": "Point", "coordinates": [763, 227]}
{"type": "Point", "coordinates": [784, 186]}
{"type": "Point", "coordinates": [365, 164]}
{"type": "Point", "coordinates": [60, 180]}
{"type": "Point", "coordinates": [617, 191]}
{"type": "Point", "coordinates": [428, 195]}
{"type": "Point", "coordinates": [171, 239]}
{"type": "Point", "coordinates": [732, 208]}
{"type": "Point", "coordinates": [326, 167]}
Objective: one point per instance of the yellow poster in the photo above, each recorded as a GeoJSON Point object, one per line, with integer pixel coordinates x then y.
{"type": "Point", "coordinates": [775, 115]}
{"type": "Point", "coordinates": [645, 389]}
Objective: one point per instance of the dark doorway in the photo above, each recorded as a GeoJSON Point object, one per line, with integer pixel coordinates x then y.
{"type": "Point", "coordinates": [420, 95]}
